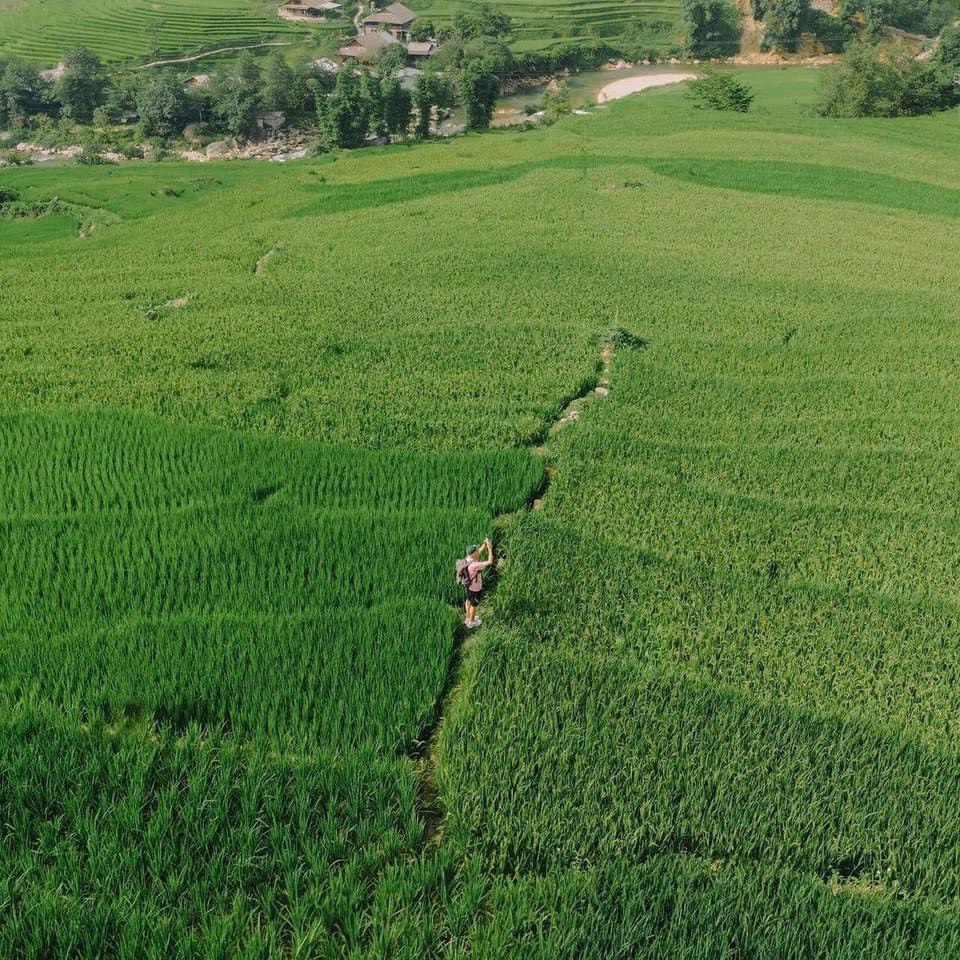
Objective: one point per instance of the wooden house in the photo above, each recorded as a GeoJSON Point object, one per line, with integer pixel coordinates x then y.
{"type": "Point", "coordinates": [397, 20]}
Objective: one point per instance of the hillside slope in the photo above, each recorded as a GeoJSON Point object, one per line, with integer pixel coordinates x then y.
{"type": "Point", "coordinates": [711, 711]}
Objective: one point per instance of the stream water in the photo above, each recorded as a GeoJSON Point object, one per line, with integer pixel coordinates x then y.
{"type": "Point", "coordinates": [516, 107]}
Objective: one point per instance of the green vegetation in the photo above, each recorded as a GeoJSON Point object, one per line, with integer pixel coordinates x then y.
{"type": "Point", "coordinates": [130, 30]}
{"type": "Point", "coordinates": [712, 709]}
{"type": "Point", "coordinates": [871, 82]}
{"type": "Point", "coordinates": [713, 27]}
{"type": "Point", "coordinates": [720, 91]}
{"type": "Point", "coordinates": [240, 638]}
{"type": "Point", "coordinates": [927, 17]}
{"type": "Point", "coordinates": [789, 24]}
{"type": "Point", "coordinates": [541, 25]}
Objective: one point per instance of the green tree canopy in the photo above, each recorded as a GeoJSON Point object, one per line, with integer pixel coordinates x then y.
{"type": "Point", "coordinates": [871, 82]}
{"type": "Point", "coordinates": [484, 20]}
{"type": "Point", "coordinates": [21, 92]}
{"type": "Point", "coordinates": [161, 105]}
{"type": "Point", "coordinates": [235, 95]}
{"type": "Point", "coordinates": [345, 114]}
{"type": "Point", "coordinates": [713, 27]}
{"type": "Point", "coordinates": [478, 87]}
{"type": "Point", "coordinates": [397, 104]}
{"type": "Point", "coordinates": [948, 53]}
{"type": "Point", "coordinates": [82, 86]}
{"type": "Point", "coordinates": [278, 83]}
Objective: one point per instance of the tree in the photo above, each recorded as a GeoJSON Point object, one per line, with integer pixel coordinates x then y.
{"type": "Point", "coordinates": [393, 57]}
{"type": "Point", "coordinates": [82, 85]}
{"type": "Point", "coordinates": [235, 96]}
{"type": "Point", "coordinates": [161, 105]}
{"type": "Point", "coordinates": [478, 88]}
{"type": "Point", "coordinates": [785, 23]}
{"type": "Point", "coordinates": [372, 97]}
{"type": "Point", "coordinates": [495, 53]}
{"type": "Point", "coordinates": [431, 91]}
{"type": "Point", "coordinates": [557, 103]}
{"type": "Point", "coordinates": [397, 104]}
{"type": "Point", "coordinates": [278, 83]}
{"type": "Point", "coordinates": [720, 91]}
{"type": "Point", "coordinates": [874, 83]}
{"type": "Point", "coordinates": [424, 101]}
{"type": "Point", "coordinates": [484, 20]}
{"type": "Point", "coordinates": [873, 17]}
{"type": "Point", "coordinates": [422, 29]}
{"type": "Point", "coordinates": [345, 115]}
{"type": "Point", "coordinates": [713, 27]}
{"type": "Point", "coordinates": [948, 53]}
{"type": "Point", "coordinates": [21, 92]}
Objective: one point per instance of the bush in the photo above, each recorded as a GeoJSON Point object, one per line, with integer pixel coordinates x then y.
{"type": "Point", "coordinates": [15, 158]}
{"type": "Point", "coordinates": [785, 22]}
{"type": "Point", "coordinates": [90, 157]}
{"type": "Point", "coordinates": [948, 53]}
{"type": "Point", "coordinates": [713, 27]}
{"type": "Point", "coordinates": [721, 91]}
{"type": "Point", "coordinates": [556, 103]}
{"type": "Point", "coordinates": [871, 83]}
{"type": "Point", "coordinates": [834, 33]}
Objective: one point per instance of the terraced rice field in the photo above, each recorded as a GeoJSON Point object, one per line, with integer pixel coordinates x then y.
{"type": "Point", "coordinates": [131, 30]}
{"type": "Point", "coordinates": [539, 23]}
{"type": "Point", "coordinates": [712, 709]}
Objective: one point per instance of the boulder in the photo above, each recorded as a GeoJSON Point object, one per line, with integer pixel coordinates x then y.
{"type": "Point", "coordinates": [219, 148]}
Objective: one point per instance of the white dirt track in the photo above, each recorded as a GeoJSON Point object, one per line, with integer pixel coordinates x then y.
{"type": "Point", "coordinates": [628, 85]}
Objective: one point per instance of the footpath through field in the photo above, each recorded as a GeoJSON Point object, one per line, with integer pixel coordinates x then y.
{"type": "Point", "coordinates": [424, 751]}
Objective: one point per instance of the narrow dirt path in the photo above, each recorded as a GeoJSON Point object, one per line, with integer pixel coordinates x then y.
{"type": "Point", "coordinates": [423, 752]}
{"type": "Point", "coordinates": [262, 262]}
{"type": "Point", "coordinates": [213, 53]}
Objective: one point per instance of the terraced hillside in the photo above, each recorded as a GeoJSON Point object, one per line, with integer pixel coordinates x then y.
{"type": "Point", "coordinates": [539, 23]}
{"type": "Point", "coordinates": [711, 710]}
{"type": "Point", "coordinates": [122, 30]}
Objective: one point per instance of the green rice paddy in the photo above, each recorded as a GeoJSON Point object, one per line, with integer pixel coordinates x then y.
{"type": "Point", "coordinates": [122, 31]}
{"type": "Point", "coordinates": [712, 711]}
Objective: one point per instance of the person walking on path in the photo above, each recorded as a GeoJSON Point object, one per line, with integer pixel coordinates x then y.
{"type": "Point", "coordinates": [470, 575]}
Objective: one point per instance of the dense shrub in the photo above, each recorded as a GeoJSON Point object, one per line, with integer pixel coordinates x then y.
{"type": "Point", "coordinates": [713, 27]}
{"type": "Point", "coordinates": [948, 53]}
{"type": "Point", "coordinates": [785, 22]}
{"type": "Point", "coordinates": [872, 83]}
{"type": "Point", "coordinates": [721, 91]}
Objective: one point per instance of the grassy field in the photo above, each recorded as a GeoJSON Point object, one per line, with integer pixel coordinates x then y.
{"type": "Point", "coordinates": [712, 709]}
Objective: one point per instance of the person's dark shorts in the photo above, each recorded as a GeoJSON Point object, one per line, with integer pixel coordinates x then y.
{"type": "Point", "coordinates": [473, 596]}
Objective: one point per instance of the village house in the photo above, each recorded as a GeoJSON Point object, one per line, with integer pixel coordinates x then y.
{"type": "Point", "coordinates": [367, 46]}
{"type": "Point", "coordinates": [419, 51]}
{"type": "Point", "coordinates": [396, 20]}
{"type": "Point", "coordinates": [382, 28]}
{"type": "Point", "coordinates": [307, 9]}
